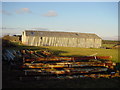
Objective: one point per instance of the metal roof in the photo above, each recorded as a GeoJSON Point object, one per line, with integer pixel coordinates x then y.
{"type": "Point", "coordinates": [60, 34]}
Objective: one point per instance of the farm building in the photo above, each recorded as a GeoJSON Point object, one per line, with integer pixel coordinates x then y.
{"type": "Point", "coordinates": [65, 39]}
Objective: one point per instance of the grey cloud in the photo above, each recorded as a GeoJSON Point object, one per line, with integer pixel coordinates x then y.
{"type": "Point", "coordinates": [41, 29]}
{"type": "Point", "coordinates": [5, 12]}
{"type": "Point", "coordinates": [7, 28]}
{"type": "Point", "coordinates": [112, 38]}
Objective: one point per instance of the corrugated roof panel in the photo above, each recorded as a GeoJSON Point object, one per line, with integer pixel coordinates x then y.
{"type": "Point", "coordinates": [60, 34]}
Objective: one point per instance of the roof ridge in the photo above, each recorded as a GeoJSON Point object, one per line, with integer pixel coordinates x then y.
{"type": "Point", "coordinates": [59, 32]}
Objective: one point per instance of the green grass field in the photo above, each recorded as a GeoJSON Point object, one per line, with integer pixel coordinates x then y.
{"type": "Point", "coordinates": [76, 51]}
{"type": "Point", "coordinates": [108, 45]}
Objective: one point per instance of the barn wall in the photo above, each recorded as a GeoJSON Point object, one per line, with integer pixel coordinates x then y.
{"type": "Point", "coordinates": [61, 41]}
{"type": "Point", "coordinates": [82, 42]}
{"type": "Point", "coordinates": [89, 43]}
{"type": "Point", "coordinates": [98, 43]}
{"type": "Point", "coordinates": [24, 38]}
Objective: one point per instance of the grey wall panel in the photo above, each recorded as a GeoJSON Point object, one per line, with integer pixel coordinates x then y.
{"type": "Point", "coordinates": [61, 41]}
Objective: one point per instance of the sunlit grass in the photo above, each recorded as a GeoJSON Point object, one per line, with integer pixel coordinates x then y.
{"type": "Point", "coordinates": [76, 51]}
{"type": "Point", "coordinates": [108, 45]}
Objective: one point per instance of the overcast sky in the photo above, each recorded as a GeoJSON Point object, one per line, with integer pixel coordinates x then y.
{"type": "Point", "coordinates": [85, 17]}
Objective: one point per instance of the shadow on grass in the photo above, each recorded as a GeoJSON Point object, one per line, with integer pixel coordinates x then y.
{"type": "Point", "coordinates": [6, 44]}
{"type": "Point", "coordinates": [57, 52]}
{"type": "Point", "coordinates": [118, 66]}
{"type": "Point", "coordinates": [38, 48]}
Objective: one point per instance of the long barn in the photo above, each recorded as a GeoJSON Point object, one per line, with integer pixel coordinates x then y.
{"type": "Point", "coordinates": [65, 39]}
